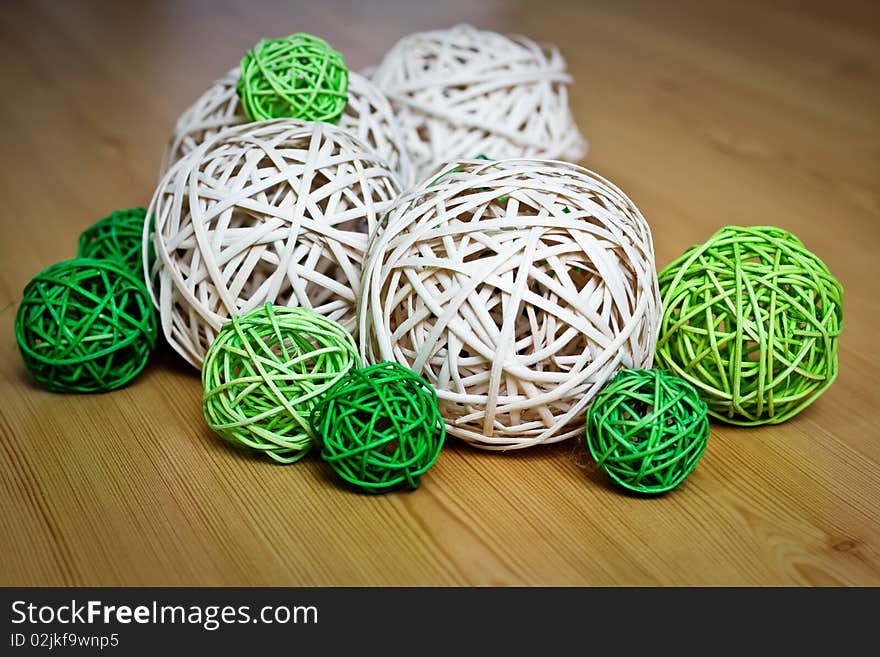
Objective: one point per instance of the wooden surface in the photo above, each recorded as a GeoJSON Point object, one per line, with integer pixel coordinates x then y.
{"type": "Point", "coordinates": [705, 113]}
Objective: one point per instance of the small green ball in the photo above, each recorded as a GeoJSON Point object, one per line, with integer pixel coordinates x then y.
{"type": "Point", "coordinates": [85, 325]}
{"type": "Point", "coordinates": [264, 373]}
{"type": "Point", "coordinates": [298, 77]}
{"type": "Point", "coordinates": [118, 236]}
{"type": "Point", "coordinates": [647, 429]}
{"type": "Point", "coordinates": [380, 428]}
{"type": "Point", "coordinates": [752, 319]}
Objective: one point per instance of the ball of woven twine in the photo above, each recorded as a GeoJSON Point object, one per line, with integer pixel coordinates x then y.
{"type": "Point", "coordinates": [460, 92]}
{"type": "Point", "coordinates": [274, 211]}
{"type": "Point", "coordinates": [752, 319]}
{"type": "Point", "coordinates": [118, 236]}
{"type": "Point", "coordinates": [379, 428]}
{"type": "Point", "coordinates": [298, 77]}
{"type": "Point", "coordinates": [85, 325]}
{"type": "Point", "coordinates": [266, 371]}
{"type": "Point", "coordinates": [367, 115]}
{"type": "Point", "coordinates": [647, 429]}
{"type": "Point", "coordinates": [516, 288]}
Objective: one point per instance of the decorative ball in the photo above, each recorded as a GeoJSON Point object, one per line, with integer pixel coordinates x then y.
{"type": "Point", "coordinates": [275, 211]}
{"type": "Point", "coordinates": [752, 319]}
{"type": "Point", "coordinates": [266, 371]}
{"type": "Point", "coordinates": [647, 429]}
{"type": "Point", "coordinates": [379, 428]}
{"type": "Point", "coordinates": [517, 288]}
{"type": "Point", "coordinates": [119, 236]}
{"type": "Point", "coordinates": [85, 325]}
{"type": "Point", "coordinates": [298, 77]}
{"type": "Point", "coordinates": [367, 115]}
{"type": "Point", "coordinates": [462, 91]}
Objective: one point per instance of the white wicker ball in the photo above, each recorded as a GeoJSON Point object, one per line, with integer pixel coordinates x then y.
{"type": "Point", "coordinates": [463, 92]}
{"type": "Point", "coordinates": [517, 288]}
{"type": "Point", "coordinates": [368, 116]}
{"type": "Point", "coordinates": [274, 211]}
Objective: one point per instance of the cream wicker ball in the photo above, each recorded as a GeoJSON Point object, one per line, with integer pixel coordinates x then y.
{"type": "Point", "coordinates": [463, 92]}
{"type": "Point", "coordinates": [517, 288]}
{"type": "Point", "coordinates": [274, 211]}
{"type": "Point", "coordinates": [368, 116]}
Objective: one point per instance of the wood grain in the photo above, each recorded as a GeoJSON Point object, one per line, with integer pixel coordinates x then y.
{"type": "Point", "coordinates": [706, 113]}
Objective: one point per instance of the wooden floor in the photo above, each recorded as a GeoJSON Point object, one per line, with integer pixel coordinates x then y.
{"type": "Point", "coordinates": [705, 113]}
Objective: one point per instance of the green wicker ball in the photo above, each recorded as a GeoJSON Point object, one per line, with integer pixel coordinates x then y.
{"type": "Point", "coordinates": [119, 236]}
{"type": "Point", "coordinates": [380, 428]}
{"type": "Point", "coordinates": [647, 429]}
{"type": "Point", "coordinates": [752, 319]}
{"type": "Point", "coordinates": [264, 373]}
{"type": "Point", "coordinates": [85, 325]}
{"type": "Point", "coordinates": [298, 77]}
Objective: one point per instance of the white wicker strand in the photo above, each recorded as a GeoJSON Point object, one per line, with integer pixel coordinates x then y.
{"type": "Point", "coordinates": [463, 92]}
{"type": "Point", "coordinates": [368, 116]}
{"type": "Point", "coordinates": [275, 211]}
{"type": "Point", "coordinates": [517, 288]}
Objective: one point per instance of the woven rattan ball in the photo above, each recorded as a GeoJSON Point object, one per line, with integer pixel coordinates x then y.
{"type": "Point", "coordinates": [298, 77]}
{"type": "Point", "coordinates": [118, 236]}
{"type": "Point", "coordinates": [752, 319]}
{"type": "Point", "coordinates": [647, 429]}
{"type": "Point", "coordinates": [85, 325]}
{"type": "Point", "coordinates": [367, 115]}
{"type": "Point", "coordinates": [460, 92]}
{"type": "Point", "coordinates": [517, 288]}
{"type": "Point", "coordinates": [266, 371]}
{"type": "Point", "coordinates": [379, 428]}
{"type": "Point", "coordinates": [273, 211]}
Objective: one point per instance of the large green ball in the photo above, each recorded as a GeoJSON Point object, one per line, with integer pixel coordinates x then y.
{"type": "Point", "coordinates": [752, 319]}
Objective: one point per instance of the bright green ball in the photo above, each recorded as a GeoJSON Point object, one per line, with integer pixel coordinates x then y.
{"type": "Point", "coordinates": [299, 77]}
{"type": "Point", "coordinates": [264, 373]}
{"type": "Point", "coordinates": [85, 325]}
{"type": "Point", "coordinates": [647, 429]}
{"type": "Point", "coordinates": [752, 319]}
{"type": "Point", "coordinates": [379, 428]}
{"type": "Point", "coordinates": [118, 236]}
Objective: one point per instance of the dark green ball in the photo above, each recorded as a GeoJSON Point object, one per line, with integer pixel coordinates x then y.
{"type": "Point", "coordinates": [647, 429]}
{"type": "Point", "coordinates": [85, 325]}
{"type": "Point", "coordinates": [379, 427]}
{"type": "Point", "coordinates": [118, 236]}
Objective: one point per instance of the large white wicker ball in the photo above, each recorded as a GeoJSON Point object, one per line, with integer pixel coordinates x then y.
{"type": "Point", "coordinates": [517, 288]}
{"type": "Point", "coordinates": [368, 116]}
{"type": "Point", "coordinates": [463, 92]}
{"type": "Point", "coordinates": [274, 211]}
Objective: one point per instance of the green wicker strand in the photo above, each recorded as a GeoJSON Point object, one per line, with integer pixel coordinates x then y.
{"type": "Point", "coordinates": [380, 428]}
{"type": "Point", "coordinates": [299, 77]}
{"type": "Point", "coordinates": [85, 325]}
{"type": "Point", "coordinates": [264, 373]}
{"type": "Point", "coordinates": [647, 429]}
{"type": "Point", "coordinates": [118, 236]}
{"type": "Point", "coordinates": [752, 319]}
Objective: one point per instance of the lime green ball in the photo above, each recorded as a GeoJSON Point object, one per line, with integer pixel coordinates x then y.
{"type": "Point", "coordinates": [299, 77]}
{"type": "Point", "coordinates": [752, 319]}
{"type": "Point", "coordinates": [85, 325]}
{"type": "Point", "coordinates": [265, 372]}
{"type": "Point", "coordinates": [118, 236]}
{"type": "Point", "coordinates": [647, 429]}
